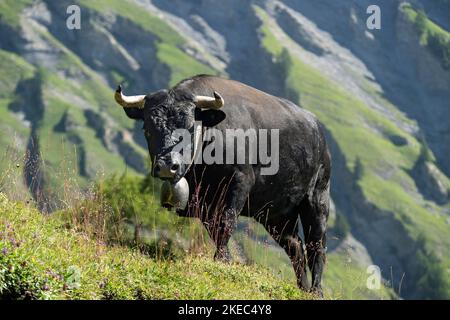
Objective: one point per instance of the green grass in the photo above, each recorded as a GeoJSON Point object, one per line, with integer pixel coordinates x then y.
{"type": "Point", "coordinates": [415, 218]}
{"type": "Point", "coordinates": [41, 258]}
{"type": "Point", "coordinates": [345, 280]}
{"type": "Point", "coordinates": [10, 11]}
{"type": "Point", "coordinates": [13, 69]}
{"type": "Point", "coordinates": [182, 65]}
{"type": "Point", "coordinates": [11, 126]}
{"type": "Point", "coordinates": [268, 40]}
{"type": "Point", "coordinates": [138, 15]}
{"type": "Point", "coordinates": [259, 250]}
{"type": "Point", "coordinates": [61, 155]}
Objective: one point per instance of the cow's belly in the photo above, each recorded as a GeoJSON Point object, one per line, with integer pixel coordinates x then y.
{"type": "Point", "coordinates": [278, 195]}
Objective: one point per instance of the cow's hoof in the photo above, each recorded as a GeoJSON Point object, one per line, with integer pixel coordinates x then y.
{"type": "Point", "coordinates": [317, 291]}
{"type": "Point", "coordinates": [222, 256]}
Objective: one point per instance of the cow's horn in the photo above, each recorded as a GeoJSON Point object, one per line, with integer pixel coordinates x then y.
{"type": "Point", "coordinates": [209, 102]}
{"type": "Point", "coordinates": [129, 101]}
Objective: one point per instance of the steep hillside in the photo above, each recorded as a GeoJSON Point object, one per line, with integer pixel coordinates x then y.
{"type": "Point", "coordinates": [382, 96]}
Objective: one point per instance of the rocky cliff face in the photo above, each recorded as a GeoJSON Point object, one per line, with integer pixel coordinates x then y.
{"type": "Point", "coordinates": [382, 95]}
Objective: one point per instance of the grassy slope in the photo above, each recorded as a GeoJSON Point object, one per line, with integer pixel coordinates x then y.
{"type": "Point", "coordinates": [40, 258]}
{"type": "Point", "coordinates": [349, 120]}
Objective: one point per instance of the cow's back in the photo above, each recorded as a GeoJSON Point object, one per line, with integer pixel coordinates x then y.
{"type": "Point", "coordinates": [247, 106]}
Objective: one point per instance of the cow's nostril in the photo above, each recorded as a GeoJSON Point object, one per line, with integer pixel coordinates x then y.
{"type": "Point", "coordinates": [175, 167]}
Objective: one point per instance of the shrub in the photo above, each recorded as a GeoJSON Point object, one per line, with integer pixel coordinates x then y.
{"type": "Point", "coordinates": [437, 42]}
{"type": "Point", "coordinates": [439, 45]}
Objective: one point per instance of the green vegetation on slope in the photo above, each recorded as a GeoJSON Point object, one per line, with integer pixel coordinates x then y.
{"type": "Point", "coordinates": [170, 42]}
{"type": "Point", "coordinates": [66, 150]}
{"type": "Point", "coordinates": [343, 279]}
{"type": "Point", "coordinates": [42, 259]}
{"type": "Point", "coordinates": [10, 11]}
{"type": "Point", "coordinates": [13, 70]}
{"type": "Point", "coordinates": [431, 35]}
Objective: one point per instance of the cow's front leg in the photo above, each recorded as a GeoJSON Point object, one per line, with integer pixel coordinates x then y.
{"type": "Point", "coordinates": [226, 215]}
{"type": "Point", "coordinates": [224, 231]}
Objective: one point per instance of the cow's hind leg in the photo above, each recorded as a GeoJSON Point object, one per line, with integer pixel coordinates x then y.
{"type": "Point", "coordinates": [286, 234]}
{"type": "Point", "coordinates": [314, 211]}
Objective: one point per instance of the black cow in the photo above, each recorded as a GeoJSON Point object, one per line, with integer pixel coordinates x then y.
{"type": "Point", "coordinates": [297, 195]}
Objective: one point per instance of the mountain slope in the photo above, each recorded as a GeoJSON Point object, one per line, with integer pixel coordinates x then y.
{"type": "Point", "coordinates": [381, 95]}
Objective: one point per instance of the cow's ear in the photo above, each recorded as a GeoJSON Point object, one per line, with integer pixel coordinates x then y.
{"type": "Point", "coordinates": [134, 113]}
{"type": "Point", "coordinates": [209, 117]}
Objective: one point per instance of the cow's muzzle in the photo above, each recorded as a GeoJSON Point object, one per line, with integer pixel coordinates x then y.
{"type": "Point", "coordinates": [168, 167]}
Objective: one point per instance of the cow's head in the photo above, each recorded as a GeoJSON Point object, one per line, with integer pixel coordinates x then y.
{"type": "Point", "coordinates": [163, 112]}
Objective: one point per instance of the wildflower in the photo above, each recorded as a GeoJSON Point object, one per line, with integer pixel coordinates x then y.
{"type": "Point", "coordinates": [45, 287]}
{"type": "Point", "coordinates": [13, 242]}
{"type": "Point", "coordinates": [5, 251]}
